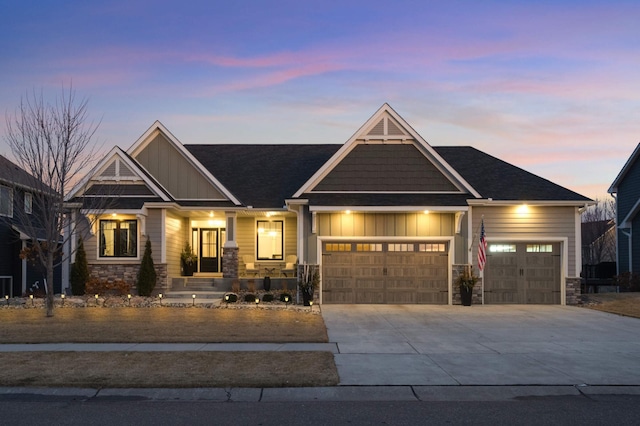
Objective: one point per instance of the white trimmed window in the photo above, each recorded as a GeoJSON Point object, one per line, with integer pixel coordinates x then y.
{"type": "Point", "coordinates": [270, 239]}
{"type": "Point", "coordinates": [118, 238]}
{"type": "Point", "coordinates": [28, 202]}
{"type": "Point", "coordinates": [6, 201]}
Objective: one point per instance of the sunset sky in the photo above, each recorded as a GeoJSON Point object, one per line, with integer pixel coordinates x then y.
{"type": "Point", "coordinates": [550, 86]}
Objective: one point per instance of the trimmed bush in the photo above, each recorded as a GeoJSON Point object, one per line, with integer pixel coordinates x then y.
{"type": "Point", "coordinates": [283, 295]}
{"type": "Point", "coordinates": [233, 298]}
{"type": "Point", "coordinates": [267, 297]}
{"type": "Point", "coordinates": [79, 274]}
{"type": "Point", "coordinates": [147, 274]}
{"type": "Point", "coordinates": [251, 298]}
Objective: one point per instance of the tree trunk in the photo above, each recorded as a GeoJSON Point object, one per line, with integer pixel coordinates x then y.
{"type": "Point", "coordinates": [49, 285]}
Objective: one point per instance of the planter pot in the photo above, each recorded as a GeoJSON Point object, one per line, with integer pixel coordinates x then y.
{"type": "Point", "coordinates": [466, 295]}
{"type": "Point", "coordinates": [188, 269]}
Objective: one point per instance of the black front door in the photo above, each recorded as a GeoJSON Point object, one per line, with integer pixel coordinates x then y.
{"type": "Point", "coordinates": [209, 259]}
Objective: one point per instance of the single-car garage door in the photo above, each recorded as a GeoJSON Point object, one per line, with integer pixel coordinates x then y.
{"type": "Point", "coordinates": [362, 272]}
{"type": "Point", "coordinates": [522, 273]}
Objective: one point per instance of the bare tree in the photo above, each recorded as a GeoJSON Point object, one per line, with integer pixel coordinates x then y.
{"type": "Point", "coordinates": [53, 142]}
{"type": "Point", "coordinates": [598, 236]}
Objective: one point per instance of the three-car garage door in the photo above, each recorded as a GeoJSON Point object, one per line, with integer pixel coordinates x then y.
{"type": "Point", "coordinates": [522, 273]}
{"type": "Point", "coordinates": [387, 272]}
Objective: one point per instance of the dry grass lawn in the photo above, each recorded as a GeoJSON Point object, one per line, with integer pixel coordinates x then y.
{"type": "Point", "coordinates": [165, 369]}
{"type": "Point", "coordinates": [168, 369]}
{"type": "Point", "coordinates": [161, 325]}
{"type": "Point", "coordinates": [627, 304]}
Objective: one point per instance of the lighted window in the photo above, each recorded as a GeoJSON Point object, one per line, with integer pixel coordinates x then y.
{"type": "Point", "coordinates": [539, 248]}
{"type": "Point", "coordinates": [270, 239]}
{"type": "Point", "coordinates": [502, 248]}
{"type": "Point", "coordinates": [28, 202]}
{"type": "Point", "coordinates": [432, 247]}
{"type": "Point", "coordinates": [6, 201]}
{"type": "Point", "coordinates": [118, 238]}
{"type": "Point", "coordinates": [337, 247]}
{"type": "Point", "coordinates": [368, 247]}
{"type": "Point", "coordinates": [400, 247]}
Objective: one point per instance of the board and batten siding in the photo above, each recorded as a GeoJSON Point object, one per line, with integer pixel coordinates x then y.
{"type": "Point", "coordinates": [385, 225]}
{"type": "Point", "coordinates": [176, 174]}
{"type": "Point", "coordinates": [538, 224]}
{"type": "Point", "coordinates": [627, 197]}
{"type": "Point", "coordinates": [176, 234]}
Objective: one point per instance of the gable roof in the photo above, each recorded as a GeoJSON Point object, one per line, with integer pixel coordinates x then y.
{"type": "Point", "coordinates": [387, 126]}
{"type": "Point", "coordinates": [197, 168]}
{"type": "Point", "coordinates": [625, 169]}
{"type": "Point", "coordinates": [262, 176]}
{"type": "Point", "coordinates": [497, 179]}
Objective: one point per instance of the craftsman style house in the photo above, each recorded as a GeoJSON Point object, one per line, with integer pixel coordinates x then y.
{"type": "Point", "coordinates": [386, 216]}
{"type": "Point", "coordinates": [626, 189]}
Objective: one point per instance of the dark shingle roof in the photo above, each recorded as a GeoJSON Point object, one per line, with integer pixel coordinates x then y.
{"type": "Point", "coordinates": [497, 179]}
{"type": "Point", "coordinates": [262, 176]}
{"type": "Point", "coordinates": [11, 173]}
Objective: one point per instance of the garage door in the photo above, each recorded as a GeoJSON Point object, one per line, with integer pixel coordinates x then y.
{"type": "Point", "coordinates": [522, 273]}
{"type": "Point", "coordinates": [360, 272]}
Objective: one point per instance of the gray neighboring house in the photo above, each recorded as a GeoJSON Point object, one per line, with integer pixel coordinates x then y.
{"type": "Point", "coordinates": [626, 189]}
{"type": "Point", "coordinates": [17, 190]}
{"type": "Point", "coordinates": [386, 216]}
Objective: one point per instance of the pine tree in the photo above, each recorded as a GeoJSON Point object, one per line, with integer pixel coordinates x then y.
{"type": "Point", "coordinates": [79, 274]}
{"type": "Point", "coordinates": [147, 274]}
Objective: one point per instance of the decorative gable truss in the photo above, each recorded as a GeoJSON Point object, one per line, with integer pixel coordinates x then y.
{"type": "Point", "coordinates": [387, 156]}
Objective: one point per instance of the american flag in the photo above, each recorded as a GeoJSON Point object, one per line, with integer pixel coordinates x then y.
{"type": "Point", "coordinates": [482, 248]}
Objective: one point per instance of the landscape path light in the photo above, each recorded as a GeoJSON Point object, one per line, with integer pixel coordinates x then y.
{"type": "Point", "coordinates": [193, 296]}
{"type": "Point", "coordinates": [129, 299]}
{"type": "Point", "coordinates": [62, 298]}
{"type": "Point", "coordinates": [31, 297]}
{"type": "Point", "coordinates": [6, 297]}
{"type": "Point", "coordinates": [311, 305]}
{"type": "Point", "coordinates": [257, 301]}
{"type": "Point", "coordinates": [160, 296]}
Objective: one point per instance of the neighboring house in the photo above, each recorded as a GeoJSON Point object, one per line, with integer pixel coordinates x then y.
{"type": "Point", "coordinates": [17, 205]}
{"type": "Point", "coordinates": [598, 252]}
{"type": "Point", "coordinates": [626, 189]}
{"type": "Point", "coordinates": [388, 217]}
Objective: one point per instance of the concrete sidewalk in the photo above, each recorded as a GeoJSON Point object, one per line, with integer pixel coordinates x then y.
{"type": "Point", "coordinates": [411, 345]}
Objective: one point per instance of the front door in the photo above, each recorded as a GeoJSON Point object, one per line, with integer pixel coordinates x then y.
{"type": "Point", "coordinates": [209, 260]}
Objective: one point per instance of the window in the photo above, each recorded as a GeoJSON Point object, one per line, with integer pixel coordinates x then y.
{"type": "Point", "coordinates": [502, 248]}
{"type": "Point", "coordinates": [539, 248]}
{"type": "Point", "coordinates": [6, 201]}
{"type": "Point", "coordinates": [118, 238]}
{"type": "Point", "coordinates": [400, 247]}
{"type": "Point", "coordinates": [338, 247]}
{"type": "Point", "coordinates": [270, 239]}
{"type": "Point", "coordinates": [368, 247]}
{"type": "Point", "coordinates": [28, 202]}
{"type": "Point", "coordinates": [433, 247]}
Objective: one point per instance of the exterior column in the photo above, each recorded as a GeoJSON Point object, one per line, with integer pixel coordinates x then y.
{"type": "Point", "coordinates": [230, 253]}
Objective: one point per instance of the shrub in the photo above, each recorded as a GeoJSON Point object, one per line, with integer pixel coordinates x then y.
{"type": "Point", "coordinates": [104, 287]}
{"type": "Point", "coordinates": [251, 298]}
{"type": "Point", "coordinates": [79, 274]}
{"type": "Point", "coordinates": [267, 297]}
{"type": "Point", "coordinates": [147, 274]}
{"type": "Point", "coordinates": [285, 295]}
{"type": "Point", "coordinates": [232, 298]}
{"type": "Point", "coordinates": [627, 281]}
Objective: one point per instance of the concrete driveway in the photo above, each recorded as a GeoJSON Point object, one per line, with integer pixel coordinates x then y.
{"type": "Point", "coordinates": [482, 345]}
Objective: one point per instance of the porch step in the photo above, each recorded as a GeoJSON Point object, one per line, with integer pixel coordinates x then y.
{"type": "Point", "coordinates": [191, 284]}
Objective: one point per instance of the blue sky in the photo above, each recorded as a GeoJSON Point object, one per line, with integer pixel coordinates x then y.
{"type": "Point", "coordinates": [551, 86]}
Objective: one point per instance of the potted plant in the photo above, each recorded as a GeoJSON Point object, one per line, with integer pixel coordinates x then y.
{"type": "Point", "coordinates": [189, 260]}
{"type": "Point", "coordinates": [466, 281]}
{"type": "Point", "coordinates": [308, 281]}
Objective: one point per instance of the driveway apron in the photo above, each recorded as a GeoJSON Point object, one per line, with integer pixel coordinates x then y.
{"type": "Point", "coordinates": [482, 345]}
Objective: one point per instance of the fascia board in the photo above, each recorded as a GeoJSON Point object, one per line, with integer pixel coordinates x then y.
{"type": "Point", "coordinates": [550, 203]}
{"type": "Point", "coordinates": [626, 222]}
{"type": "Point", "coordinates": [385, 209]}
{"type": "Point", "coordinates": [630, 162]}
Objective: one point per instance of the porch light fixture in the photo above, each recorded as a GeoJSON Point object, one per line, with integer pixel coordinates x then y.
{"type": "Point", "coordinates": [427, 212]}
{"type": "Point", "coordinates": [211, 214]}
{"type": "Point", "coordinates": [347, 212]}
{"type": "Point", "coordinates": [522, 209]}
{"type": "Point", "coordinates": [193, 296]}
